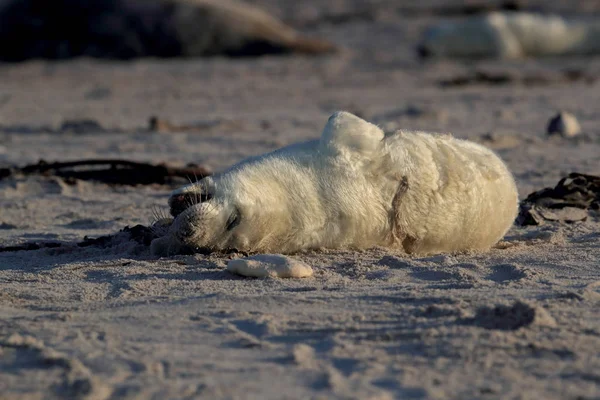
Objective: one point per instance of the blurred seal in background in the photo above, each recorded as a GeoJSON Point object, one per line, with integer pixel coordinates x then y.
{"type": "Point", "coordinates": [125, 29]}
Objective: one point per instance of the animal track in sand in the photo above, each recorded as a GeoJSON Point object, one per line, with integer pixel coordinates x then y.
{"type": "Point", "coordinates": [451, 273]}
{"type": "Point", "coordinates": [506, 273]}
{"type": "Point", "coordinates": [71, 379]}
{"type": "Point", "coordinates": [512, 317]}
{"type": "Point", "coordinates": [394, 262]}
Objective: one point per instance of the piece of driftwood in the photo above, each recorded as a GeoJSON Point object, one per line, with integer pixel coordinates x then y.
{"type": "Point", "coordinates": [111, 171]}
{"type": "Point", "coordinates": [570, 200]}
{"type": "Point", "coordinates": [499, 78]}
{"type": "Point", "coordinates": [139, 233]}
{"type": "Point", "coordinates": [31, 246]}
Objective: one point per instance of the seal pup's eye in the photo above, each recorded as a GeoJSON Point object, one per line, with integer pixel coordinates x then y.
{"type": "Point", "coordinates": [234, 220]}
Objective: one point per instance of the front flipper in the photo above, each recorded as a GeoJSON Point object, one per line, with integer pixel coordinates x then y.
{"type": "Point", "coordinates": [350, 135]}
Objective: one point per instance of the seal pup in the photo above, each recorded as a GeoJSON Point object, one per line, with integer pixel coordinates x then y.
{"type": "Point", "coordinates": [511, 35]}
{"type": "Point", "coordinates": [356, 187]}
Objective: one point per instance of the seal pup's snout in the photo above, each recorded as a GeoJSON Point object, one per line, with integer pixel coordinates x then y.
{"type": "Point", "coordinates": [184, 228]}
{"type": "Point", "coordinates": [204, 225]}
{"type": "Point", "coordinates": [184, 234]}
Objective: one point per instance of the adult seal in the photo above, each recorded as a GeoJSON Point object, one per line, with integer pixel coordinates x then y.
{"type": "Point", "coordinates": [356, 187]}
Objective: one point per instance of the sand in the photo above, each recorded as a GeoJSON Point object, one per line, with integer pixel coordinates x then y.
{"type": "Point", "coordinates": [520, 321]}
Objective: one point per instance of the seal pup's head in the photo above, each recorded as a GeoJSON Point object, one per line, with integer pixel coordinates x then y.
{"type": "Point", "coordinates": [283, 201]}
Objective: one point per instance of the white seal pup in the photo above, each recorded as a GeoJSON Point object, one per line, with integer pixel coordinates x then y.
{"type": "Point", "coordinates": [511, 35]}
{"type": "Point", "coordinates": [356, 187]}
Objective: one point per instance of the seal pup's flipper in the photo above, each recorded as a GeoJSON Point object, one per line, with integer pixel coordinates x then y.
{"type": "Point", "coordinates": [399, 234]}
{"type": "Point", "coordinates": [348, 135]}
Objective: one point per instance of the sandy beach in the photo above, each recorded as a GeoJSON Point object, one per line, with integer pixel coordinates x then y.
{"type": "Point", "coordinates": [518, 322]}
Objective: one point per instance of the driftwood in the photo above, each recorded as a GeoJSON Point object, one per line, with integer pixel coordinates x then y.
{"type": "Point", "coordinates": [139, 233]}
{"type": "Point", "coordinates": [111, 171]}
{"type": "Point", "coordinates": [499, 78]}
{"type": "Point", "coordinates": [31, 246]}
{"type": "Point", "coordinates": [570, 200]}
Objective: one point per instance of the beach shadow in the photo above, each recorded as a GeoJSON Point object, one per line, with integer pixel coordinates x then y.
{"type": "Point", "coordinates": [197, 273]}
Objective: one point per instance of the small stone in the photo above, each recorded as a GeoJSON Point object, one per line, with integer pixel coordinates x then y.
{"type": "Point", "coordinates": [564, 124]}
{"type": "Point", "coordinates": [269, 265]}
{"type": "Point", "coordinates": [566, 214]}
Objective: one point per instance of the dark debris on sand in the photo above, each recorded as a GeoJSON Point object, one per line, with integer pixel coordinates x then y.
{"type": "Point", "coordinates": [141, 234]}
{"type": "Point", "coordinates": [511, 317]}
{"type": "Point", "coordinates": [571, 200]}
{"type": "Point", "coordinates": [111, 171]}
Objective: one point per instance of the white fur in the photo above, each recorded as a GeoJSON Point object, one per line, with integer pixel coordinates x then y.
{"type": "Point", "coordinates": [354, 188]}
{"type": "Point", "coordinates": [512, 35]}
